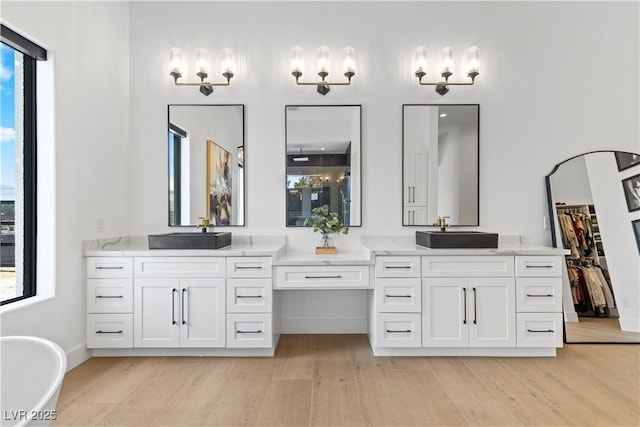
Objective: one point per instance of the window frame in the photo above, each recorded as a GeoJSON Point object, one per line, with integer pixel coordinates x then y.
{"type": "Point", "coordinates": [32, 53]}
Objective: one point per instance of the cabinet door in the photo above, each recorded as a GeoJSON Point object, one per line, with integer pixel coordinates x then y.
{"type": "Point", "coordinates": [156, 313]}
{"type": "Point", "coordinates": [444, 312]}
{"type": "Point", "coordinates": [492, 312]}
{"type": "Point", "coordinates": [202, 313]}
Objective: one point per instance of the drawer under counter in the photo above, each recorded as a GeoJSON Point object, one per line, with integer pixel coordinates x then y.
{"type": "Point", "coordinates": [539, 266]}
{"type": "Point", "coordinates": [249, 267]}
{"type": "Point", "coordinates": [539, 329]}
{"type": "Point", "coordinates": [109, 295]}
{"type": "Point", "coordinates": [110, 330]}
{"type": "Point", "coordinates": [109, 267]}
{"type": "Point", "coordinates": [467, 266]}
{"type": "Point", "coordinates": [249, 295]}
{"type": "Point", "coordinates": [399, 295]}
{"type": "Point", "coordinates": [539, 294]}
{"type": "Point", "coordinates": [323, 277]}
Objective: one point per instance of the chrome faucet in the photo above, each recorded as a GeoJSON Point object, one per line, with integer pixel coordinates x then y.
{"type": "Point", "coordinates": [442, 223]}
{"type": "Point", "coordinates": [204, 223]}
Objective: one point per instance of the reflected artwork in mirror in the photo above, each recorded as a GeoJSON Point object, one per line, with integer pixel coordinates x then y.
{"type": "Point", "coordinates": [590, 218]}
{"type": "Point", "coordinates": [206, 165]}
{"type": "Point", "coordinates": [440, 144]}
{"type": "Point", "coordinates": [323, 162]}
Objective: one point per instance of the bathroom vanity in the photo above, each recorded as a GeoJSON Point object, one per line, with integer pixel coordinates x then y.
{"type": "Point", "coordinates": [227, 302]}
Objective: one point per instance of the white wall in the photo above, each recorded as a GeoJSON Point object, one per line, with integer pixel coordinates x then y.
{"type": "Point", "coordinates": [89, 46]}
{"type": "Point", "coordinates": [538, 88]}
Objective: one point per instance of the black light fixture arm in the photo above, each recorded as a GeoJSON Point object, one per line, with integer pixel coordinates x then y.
{"type": "Point", "coordinates": [323, 85]}
{"type": "Point", "coordinates": [441, 87]}
{"type": "Point", "coordinates": [228, 75]}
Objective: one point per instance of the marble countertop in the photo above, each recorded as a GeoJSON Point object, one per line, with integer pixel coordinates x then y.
{"type": "Point", "coordinates": [276, 247]}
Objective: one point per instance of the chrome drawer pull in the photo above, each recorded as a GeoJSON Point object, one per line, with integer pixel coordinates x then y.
{"type": "Point", "coordinates": [109, 268]}
{"type": "Point", "coordinates": [323, 277]}
{"type": "Point", "coordinates": [397, 266]}
{"type": "Point", "coordinates": [398, 296]}
{"type": "Point", "coordinates": [109, 332]}
{"type": "Point", "coordinates": [398, 332]}
{"type": "Point", "coordinates": [539, 266]}
{"type": "Point", "coordinates": [248, 296]}
{"type": "Point", "coordinates": [533, 330]}
{"type": "Point", "coordinates": [239, 267]}
{"type": "Point", "coordinates": [249, 332]}
{"type": "Point", "coordinates": [109, 296]}
{"type": "Point", "coordinates": [540, 296]}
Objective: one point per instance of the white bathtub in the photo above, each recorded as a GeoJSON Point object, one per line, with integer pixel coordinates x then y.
{"type": "Point", "coordinates": [30, 378]}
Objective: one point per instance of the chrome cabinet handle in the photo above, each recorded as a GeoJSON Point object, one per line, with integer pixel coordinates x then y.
{"type": "Point", "coordinates": [398, 296]}
{"type": "Point", "coordinates": [249, 332]}
{"type": "Point", "coordinates": [109, 296]}
{"type": "Point", "coordinates": [540, 296]}
{"type": "Point", "coordinates": [323, 277]}
{"type": "Point", "coordinates": [109, 268]}
{"type": "Point", "coordinates": [390, 331]}
{"type": "Point", "coordinates": [184, 290]}
{"type": "Point", "coordinates": [533, 330]}
{"type": "Point", "coordinates": [248, 296]}
{"type": "Point", "coordinates": [397, 266]}
{"type": "Point", "coordinates": [110, 332]}
{"type": "Point", "coordinates": [413, 190]}
{"type": "Point", "coordinates": [464, 298]}
{"type": "Point", "coordinates": [173, 305]}
{"type": "Point", "coordinates": [539, 266]}
{"type": "Point", "coordinates": [248, 267]}
{"type": "Point", "coordinates": [475, 307]}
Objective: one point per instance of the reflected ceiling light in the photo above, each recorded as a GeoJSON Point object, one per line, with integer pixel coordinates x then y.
{"type": "Point", "coordinates": [176, 66]}
{"type": "Point", "coordinates": [301, 158]}
{"type": "Point", "coordinates": [443, 115]}
{"type": "Point", "coordinates": [447, 67]}
{"type": "Point", "coordinates": [322, 58]}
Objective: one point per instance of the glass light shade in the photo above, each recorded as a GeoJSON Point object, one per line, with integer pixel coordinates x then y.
{"type": "Point", "coordinates": [446, 60]}
{"type": "Point", "coordinates": [473, 61]}
{"type": "Point", "coordinates": [227, 60]}
{"type": "Point", "coordinates": [323, 59]}
{"type": "Point", "coordinates": [175, 61]}
{"type": "Point", "coordinates": [420, 58]}
{"type": "Point", "coordinates": [202, 61]}
{"type": "Point", "coordinates": [348, 61]}
{"type": "Point", "coordinates": [297, 59]}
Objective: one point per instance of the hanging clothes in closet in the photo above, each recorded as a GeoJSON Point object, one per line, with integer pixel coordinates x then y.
{"type": "Point", "coordinates": [590, 289]}
{"type": "Point", "coordinates": [577, 233]}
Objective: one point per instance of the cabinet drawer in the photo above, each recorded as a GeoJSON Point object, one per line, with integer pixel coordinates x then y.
{"type": "Point", "coordinates": [249, 331]}
{"type": "Point", "coordinates": [539, 329]}
{"type": "Point", "coordinates": [398, 295]}
{"type": "Point", "coordinates": [164, 267]}
{"type": "Point", "coordinates": [539, 294]}
{"type": "Point", "coordinates": [397, 266]}
{"type": "Point", "coordinates": [109, 330]}
{"type": "Point", "coordinates": [539, 266]}
{"type": "Point", "coordinates": [398, 330]}
{"type": "Point", "coordinates": [467, 266]}
{"type": "Point", "coordinates": [249, 295]}
{"type": "Point", "coordinates": [249, 267]}
{"type": "Point", "coordinates": [323, 277]}
{"type": "Point", "coordinates": [109, 295]}
{"type": "Point", "coordinates": [107, 267]}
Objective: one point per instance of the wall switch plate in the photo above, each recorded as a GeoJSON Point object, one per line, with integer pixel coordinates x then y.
{"type": "Point", "coordinates": [546, 224]}
{"type": "Point", "coordinates": [625, 303]}
{"type": "Point", "coordinates": [100, 225]}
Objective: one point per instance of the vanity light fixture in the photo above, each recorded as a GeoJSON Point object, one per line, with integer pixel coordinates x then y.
{"type": "Point", "coordinates": [446, 67]}
{"type": "Point", "coordinates": [202, 69]}
{"type": "Point", "coordinates": [323, 86]}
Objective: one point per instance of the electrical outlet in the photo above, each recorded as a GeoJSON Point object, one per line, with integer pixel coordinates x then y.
{"type": "Point", "coordinates": [546, 224]}
{"type": "Point", "coordinates": [100, 225]}
{"type": "Point", "coordinates": [625, 303]}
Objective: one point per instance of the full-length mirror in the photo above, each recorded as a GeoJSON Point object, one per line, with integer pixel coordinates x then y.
{"type": "Point", "coordinates": [593, 202]}
{"type": "Point", "coordinates": [440, 163]}
{"type": "Point", "coordinates": [323, 146]}
{"type": "Point", "coordinates": [206, 164]}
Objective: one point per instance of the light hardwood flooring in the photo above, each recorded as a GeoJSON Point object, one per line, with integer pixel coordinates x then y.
{"type": "Point", "coordinates": [599, 329]}
{"type": "Point", "coordinates": [334, 380]}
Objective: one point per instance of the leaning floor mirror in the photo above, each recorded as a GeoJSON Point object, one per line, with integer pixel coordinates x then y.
{"type": "Point", "coordinates": [206, 165]}
{"type": "Point", "coordinates": [323, 163]}
{"type": "Point", "coordinates": [594, 203]}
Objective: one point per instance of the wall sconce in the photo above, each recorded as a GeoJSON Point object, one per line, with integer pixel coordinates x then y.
{"type": "Point", "coordinates": [446, 67]}
{"type": "Point", "coordinates": [348, 65]}
{"type": "Point", "coordinates": [202, 69]}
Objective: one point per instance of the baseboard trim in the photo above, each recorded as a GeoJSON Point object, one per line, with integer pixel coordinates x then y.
{"type": "Point", "coordinates": [571, 317]}
{"type": "Point", "coordinates": [323, 326]}
{"type": "Point", "coordinates": [630, 325]}
{"type": "Point", "coordinates": [77, 355]}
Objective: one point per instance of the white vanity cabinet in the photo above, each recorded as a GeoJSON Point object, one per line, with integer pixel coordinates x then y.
{"type": "Point", "coordinates": [110, 302]}
{"type": "Point", "coordinates": [179, 302]}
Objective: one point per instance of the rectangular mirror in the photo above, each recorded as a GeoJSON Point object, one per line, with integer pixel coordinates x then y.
{"type": "Point", "coordinates": [440, 145]}
{"type": "Point", "coordinates": [323, 146]}
{"type": "Point", "coordinates": [206, 164]}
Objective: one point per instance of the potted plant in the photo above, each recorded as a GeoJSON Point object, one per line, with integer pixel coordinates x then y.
{"type": "Point", "coordinates": [326, 223]}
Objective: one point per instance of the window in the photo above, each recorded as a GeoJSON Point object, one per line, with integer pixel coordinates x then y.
{"type": "Point", "coordinates": [18, 165]}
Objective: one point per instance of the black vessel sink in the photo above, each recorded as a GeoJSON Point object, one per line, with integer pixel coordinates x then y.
{"type": "Point", "coordinates": [456, 239]}
{"type": "Point", "coordinates": [215, 240]}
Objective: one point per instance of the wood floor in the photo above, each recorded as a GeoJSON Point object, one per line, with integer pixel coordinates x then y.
{"type": "Point", "coordinates": [599, 329]}
{"type": "Point", "coordinates": [333, 380]}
